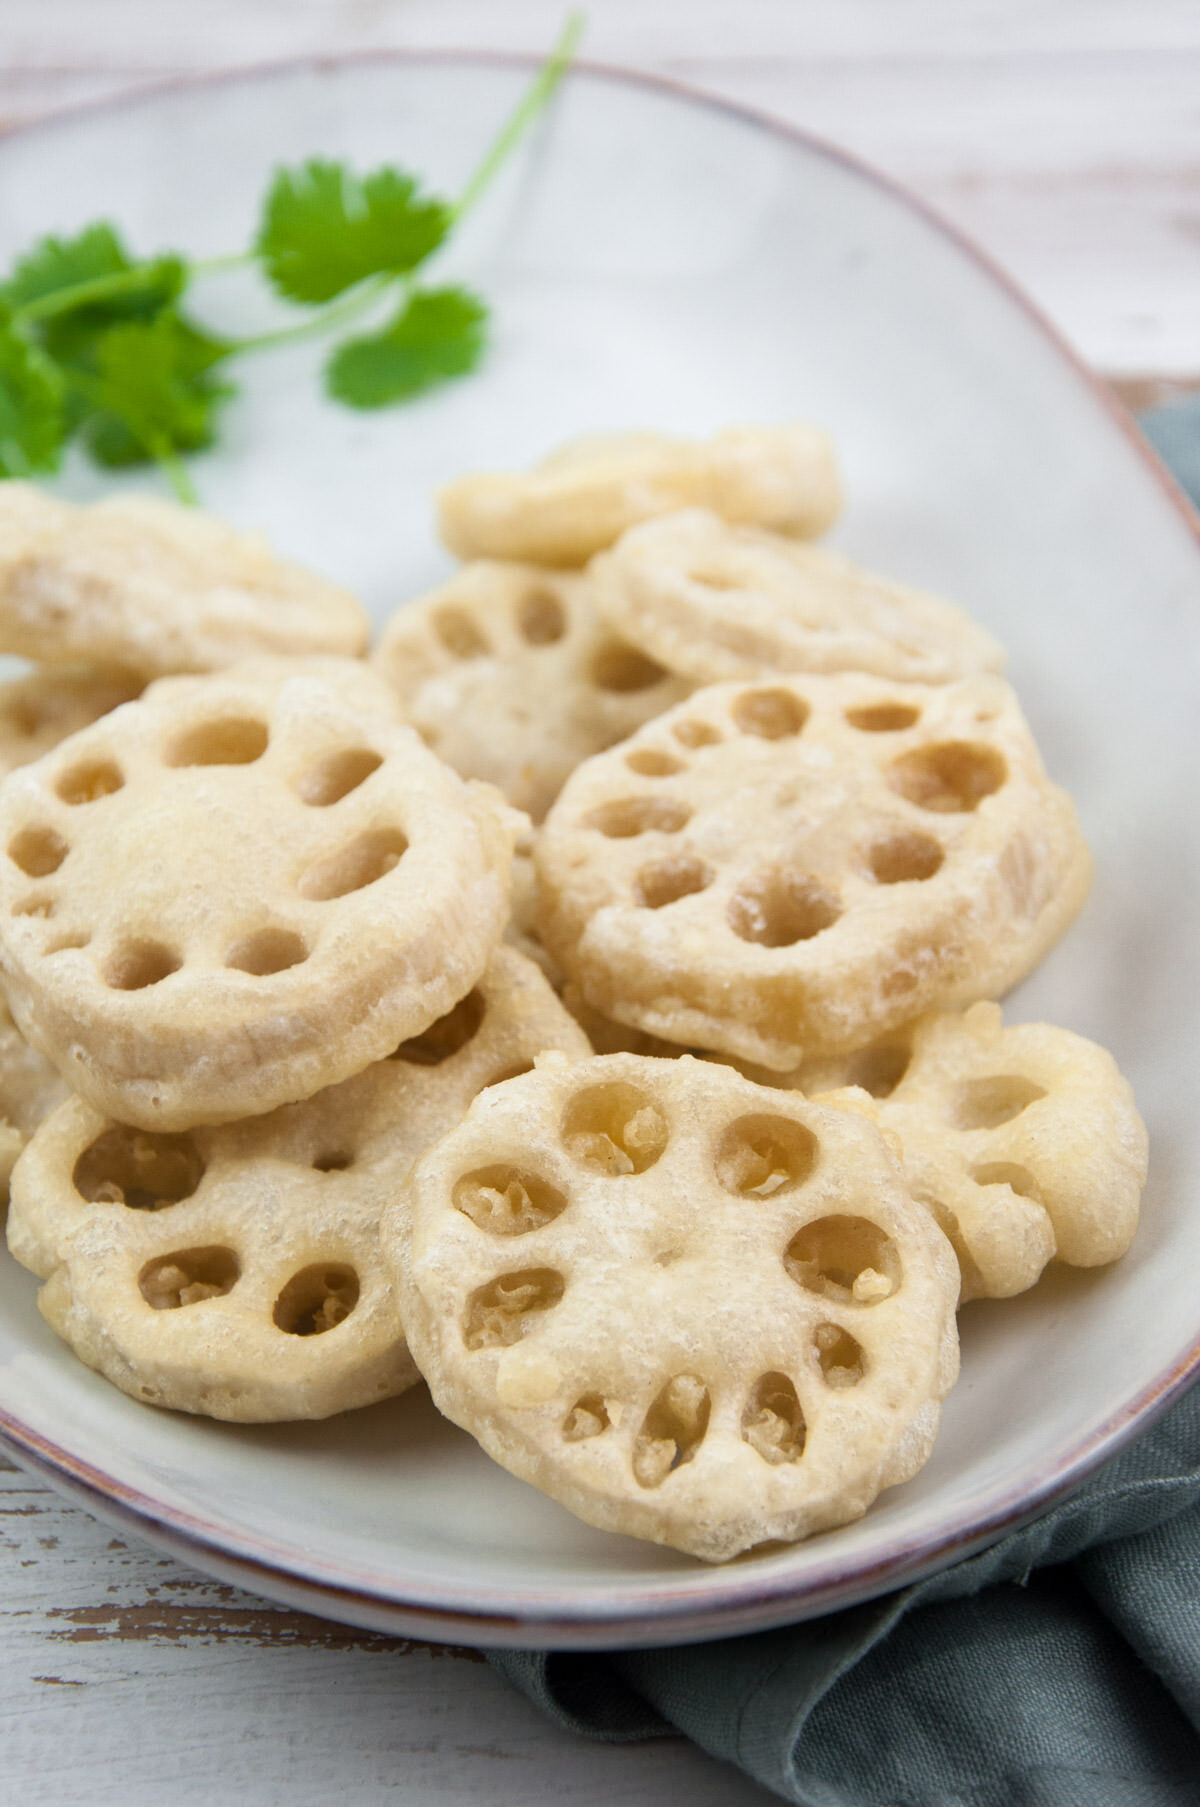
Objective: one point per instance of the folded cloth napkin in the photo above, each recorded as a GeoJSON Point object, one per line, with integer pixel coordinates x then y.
{"type": "Point", "coordinates": [1060, 1668]}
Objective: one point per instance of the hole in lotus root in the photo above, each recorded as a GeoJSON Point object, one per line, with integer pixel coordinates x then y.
{"type": "Point", "coordinates": [500, 1313]}
{"type": "Point", "coordinates": [847, 1259]}
{"type": "Point", "coordinates": [541, 618]}
{"type": "Point", "coordinates": [361, 862]}
{"type": "Point", "coordinates": [879, 1068]}
{"type": "Point", "coordinates": [335, 1161]}
{"type": "Point", "coordinates": [460, 636]}
{"type": "Point", "coordinates": [623, 669]}
{"type": "Point", "coordinates": [950, 778]}
{"type": "Point", "coordinates": [187, 1277]}
{"type": "Point", "coordinates": [139, 964]}
{"type": "Point", "coordinates": [614, 1129]}
{"type": "Point", "coordinates": [905, 857]}
{"type": "Point", "coordinates": [884, 718]}
{"type": "Point", "coordinates": [35, 906]}
{"type": "Point", "coordinates": [267, 951]}
{"type": "Point", "coordinates": [777, 910]}
{"type": "Point", "coordinates": [773, 1423]}
{"type": "Point", "coordinates": [696, 734]}
{"type": "Point", "coordinates": [317, 1299]}
{"type": "Point", "coordinates": [447, 1036]}
{"type": "Point", "coordinates": [673, 1430]}
{"type": "Point", "coordinates": [586, 1418]}
{"type": "Point", "coordinates": [762, 1156]}
{"type": "Point", "coordinates": [238, 741]}
{"type": "Point", "coordinates": [649, 762]}
{"type": "Point", "coordinates": [668, 880]}
{"type": "Point", "coordinates": [842, 1361]}
{"type": "Point", "coordinates": [68, 941]}
{"type": "Point", "coordinates": [1006, 1173]}
{"type": "Point", "coordinates": [771, 714]}
{"type": "Point", "coordinates": [85, 783]}
{"type": "Point", "coordinates": [987, 1103]}
{"type": "Point", "coordinates": [514, 1072]}
{"type": "Point", "coordinates": [507, 1201]}
{"type": "Point", "coordinates": [335, 776]}
{"type": "Point", "coordinates": [628, 816]}
{"type": "Point", "coordinates": [138, 1168]}
{"type": "Point", "coordinates": [37, 851]}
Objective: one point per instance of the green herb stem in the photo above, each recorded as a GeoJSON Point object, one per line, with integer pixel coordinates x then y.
{"type": "Point", "coordinates": [170, 463]}
{"type": "Point", "coordinates": [157, 445]}
{"type": "Point", "coordinates": [525, 112]}
{"type": "Point", "coordinates": [216, 266]}
{"type": "Point", "coordinates": [313, 246]}
{"type": "Point", "coordinates": [347, 308]}
{"type": "Point", "coordinates": [82, 294]}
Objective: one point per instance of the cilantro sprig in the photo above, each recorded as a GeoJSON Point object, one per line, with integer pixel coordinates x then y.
{"type": "Point", "coordinates": [99, 347]}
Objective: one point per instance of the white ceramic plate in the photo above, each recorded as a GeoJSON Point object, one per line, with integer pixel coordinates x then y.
{"type": "Point", "coordinates": [654, 258]}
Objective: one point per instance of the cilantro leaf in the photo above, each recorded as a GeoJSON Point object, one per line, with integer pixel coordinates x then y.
{"type": "Point", "coordinates": [56, 267]}
{"type": "Point", "coordinates": [57, 263]}
{"type": "Point", "coordinates": [153, 391]}
{"type": "Point", "coordinates": [324, 229]}
{"type": "Point", "coordinates": [437, 335]}
{"type": "Point", "coordinates": [32, 424]}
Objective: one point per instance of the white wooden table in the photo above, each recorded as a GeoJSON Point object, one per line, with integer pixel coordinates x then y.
{"type": "Point", "coordinates": [1066, 140]}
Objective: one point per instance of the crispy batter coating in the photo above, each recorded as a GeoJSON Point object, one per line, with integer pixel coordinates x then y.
{"type": "Point", "coordinates": [716, 602]}
{"type": "Point", "coordinates": [776, 870]}
{"type": "Point", "coordinates": [151, 587]}
{"type": "Point", "coordinates": [236, 1271]}
{"type": "Point", "coordinates": [241, 889]}
{"type": "Point", "coordinates": [685, 1306]}
{"type": "Point", "coordinates": [1025, 1142]}
{"type": "Point", "coordinates": [508, 675]}
{"type": "Point", "coordinates": [585, 495]}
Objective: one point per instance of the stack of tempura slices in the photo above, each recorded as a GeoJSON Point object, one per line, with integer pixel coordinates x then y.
{"type": "Point", "coordinates": [586, 1004]}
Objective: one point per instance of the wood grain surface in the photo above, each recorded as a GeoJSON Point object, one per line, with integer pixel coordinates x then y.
{"type": "Point", "coordinates": [127, 1680]}
{"type": "Point", "coordinates": [1066, 140]}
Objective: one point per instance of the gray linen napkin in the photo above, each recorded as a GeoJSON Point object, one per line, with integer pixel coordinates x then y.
{"type": "Point", "coordinates": [1060, 1668]}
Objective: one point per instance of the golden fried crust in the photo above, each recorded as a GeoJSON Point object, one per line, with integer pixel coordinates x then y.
{"type": "Point", "coordinates": [716, 602]}
{"type": "Point", "coordinates": [43, 707]}
{"type": "Point", "coordinates": [29, 1090]}
{"type": "Point", "coordinates": [508, 675]}
{"type": "Point", "coordinates": [1024, 1141]}
{"type": "Point", "coordinates": [797, 866]}
{"type": "Point", "coordinates": [152, 587]}
{"type": "Point", "coordinates": [584, 496]}
{"type": "Point", "coordinates": [237, 891]}
{"type": "Point", "coordinates": [686, 1307]}
{"type": "Point", "coordinates": [236, 1271]}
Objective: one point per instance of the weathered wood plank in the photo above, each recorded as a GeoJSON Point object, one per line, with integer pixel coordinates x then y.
{"type": "Point", "coordinates": [127, 1680]}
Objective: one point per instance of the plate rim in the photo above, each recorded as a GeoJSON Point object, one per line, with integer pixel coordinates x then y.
{"type": "Point", "coordinates": [733, 1600]}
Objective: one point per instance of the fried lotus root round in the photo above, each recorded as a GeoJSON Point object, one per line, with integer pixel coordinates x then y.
{"type": "Point", "coordinates": [686, 1307]}
{"type": "Point", "coordinates": [587, 493]}
{"type": "Point", "coordinates": [508, 675]}
{"type": "Point", "coordinates": [236, 1271]}
{"type": "Point", "coordinates": [782, 869]}
{"type": "Point", "coordinates": [41, 708]}
{"type": "Point", "coordinates": [29, 1090]}
{"type": "Point", "coordinates": [1025, 1142]}
{"type": "Point", "coordinates": [231, 893]}
{"type": "Point", "coordinates": [715, 602]}
{"type": "Point", "coordinates": [144, 584]}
